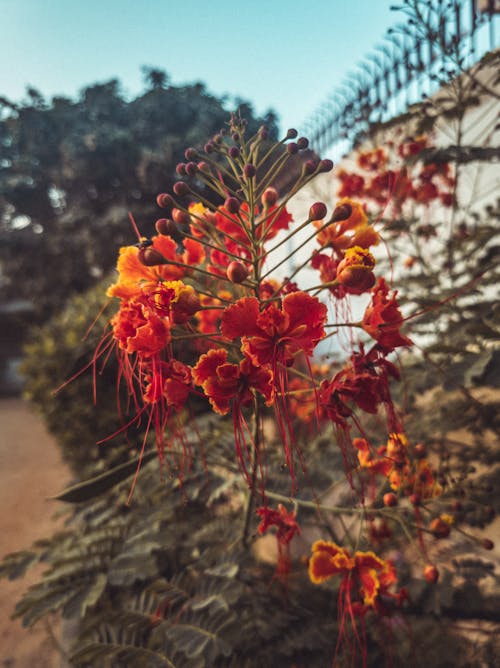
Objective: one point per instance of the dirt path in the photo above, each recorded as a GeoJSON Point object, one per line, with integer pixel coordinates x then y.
{"type": "Point", "coordinates": [30, 471]}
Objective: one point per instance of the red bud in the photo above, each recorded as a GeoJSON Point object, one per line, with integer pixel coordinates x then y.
{"type": "Point", "coordinates": [150, 257]}
{"type": "Point", "coordinates": [181, 217]}
{"type": "Point", "coordinates": [341, 212]}
{"type": "Point", "coordinates": [487, 544]}
{"type": "Point", "coordinates": [236, 271]}
{"type": "Point", "coordinates": [431, 573]}
{"type": "Point", "coordinates": [181, 188]}
{"type": "Point", "coordinates": [317, 211]}
{"type": "Point", "coordinates": [164, 201]}
{"type": "Point", "coordinates": [165, 226]}
{"type": "Point", "coordinates": [390, 499]}
{"type": "Point", "coordinates": [232, 205]}
{"type": "Point", "coordinates": [269, 197]}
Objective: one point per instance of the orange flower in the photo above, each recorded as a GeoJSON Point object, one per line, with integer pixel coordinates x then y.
{"type": "Point", "coordinates": [134, 277]}
{"type": "Point", "coordinates": [327, 560]}
{"type": "Point", "coordinates": [353, 231]}
{"type": "Point", "coordinates": [366, 573]}
{"type": "Point", "coordinates": [367, 460]}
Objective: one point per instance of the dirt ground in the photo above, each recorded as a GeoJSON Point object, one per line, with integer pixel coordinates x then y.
{"type": "Point", "coordinates": [30, 471]}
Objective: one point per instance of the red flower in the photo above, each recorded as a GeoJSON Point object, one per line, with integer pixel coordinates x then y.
{"type": "Point", "coordinates": [283, 520]}
{"type": "Point", "coordinates": [351, 184]}
{"type": "Point", "coordinates": [139, 329]}
{"type": "Point", "coordinates": [382, 319]}
{"type": "Point", "coordinates": [222, 381]}
{"type": "Point", "coordinates": [287, 528]}
{"type": "Point", "coordinates": [372, 160]}
{"type": "Point", "coordinates": [276, 335]}
{"type": "Point", "coordinates": [363, 381]}
{"type": "Point", "coordinates": [168, 380]}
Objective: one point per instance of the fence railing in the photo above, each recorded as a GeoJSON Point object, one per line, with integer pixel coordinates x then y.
{"type": "Point", "coordinates": [409, 65]}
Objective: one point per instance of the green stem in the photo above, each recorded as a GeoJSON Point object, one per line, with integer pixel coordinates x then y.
{"type": "Point", "coordinates": [250, 500]}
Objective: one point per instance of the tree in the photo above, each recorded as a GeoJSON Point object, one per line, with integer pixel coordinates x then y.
{"type": "Point", "coordinates": [71, 171]}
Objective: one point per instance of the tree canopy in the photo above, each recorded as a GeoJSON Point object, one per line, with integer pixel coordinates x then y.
{"type": "Point", "coordinates": [72, 169]}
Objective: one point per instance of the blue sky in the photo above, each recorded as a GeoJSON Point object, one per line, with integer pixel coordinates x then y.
{"type": "Point", "coordinates": [283, 54]}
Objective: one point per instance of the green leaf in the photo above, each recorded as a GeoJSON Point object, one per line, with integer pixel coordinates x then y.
{"type": "Point", "coordinates": [196, 641]}
{"type": "Point", "coordinates": [94, 653]}
{"type": "Point", "coordinates": [16, 564]}
{"type": "Point", "coordinates": [89, 489]}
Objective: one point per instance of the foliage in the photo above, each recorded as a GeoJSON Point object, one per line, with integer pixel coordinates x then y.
{"type": "Point", "coordinates": [72, 169]}
{"type": "Point", "coordinates": [58, 350]}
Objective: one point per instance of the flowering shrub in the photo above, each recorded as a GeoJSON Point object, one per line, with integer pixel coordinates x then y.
{"type": "Point", "coordinates": [209, 276]}
{"type": "Point", "coordinates": [316, 456]}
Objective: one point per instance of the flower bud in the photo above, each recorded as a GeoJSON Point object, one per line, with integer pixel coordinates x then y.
{"type": "Point", "coordinates": [165, 226]}
{"type": "Point", "coordinates": [341, 212]}
{"type": "Point", "coordinates": [356, 278]}
{"type": "Point", "coordinates": [181, 217]}
{"type": "Point", "coordinates": [439, 528]}
{"type": "Point", "coordinates": [355, 270]}
{"type": "Point", "coordinates": [191, 168]}
{"type": "Point", "coordinates": [415, 500]}
{"type": "Point", "coordinates": [209, 147]}
{"type": "Point", "coordinates": [431, 573]}
{"type": "Point", "coordinates": [186, 306]}
{"type": "Point", "coordinates": [232, 205]}
{"type": "Point", "coordinates": [236, 271]}
{"type": "Point", "coordinates": [292, 148]}
{"type": "Point", "coordinates": [249, 170]}
{"type": "Point", "coordinates": [325, 166]}
{"type": "Point", "coordinates": [302, 143]}
{"type": "Point", "coordinates": [164, 201]}
{"type": "Point", "coordinates": [217, 139]}
{"type": "Point", "coordinates": [420, 451]}
{"type": "Point", "coordinates": [269, 197]}
{"type": "Point", "coordinates": [190, 153]}
{"type": "Point", "coordinates": [310, 166]}
{"type": "Point", "coordinates": [317, 211]}
{"type": "Point", "coordinates": [235, 136]}
{"type": "Point", "coordinates": [487, 544]}
{"type": "Point", "coordinates": [181, 188]}
{"type": "Point", "coordinates": [234, 152]}
{"type": "Point", "coordinates": [181, 169]}
{"type": "Point", "coordinates": [390, 500]}
{"type": "Point", "coordinates": [150, 257]}
{"type": "Point", "coordinates": [291, 133]}
{"type": "Point", "coordinates": [204, 167]}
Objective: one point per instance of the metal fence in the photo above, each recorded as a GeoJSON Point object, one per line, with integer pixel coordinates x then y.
{"type": "Point", "coordinates": [410, 64]}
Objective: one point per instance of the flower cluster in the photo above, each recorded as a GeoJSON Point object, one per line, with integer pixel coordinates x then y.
{"type": "Point", "coordinates": [380, 181]}
{"type": "Point", "coordinates": [203, 314]}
